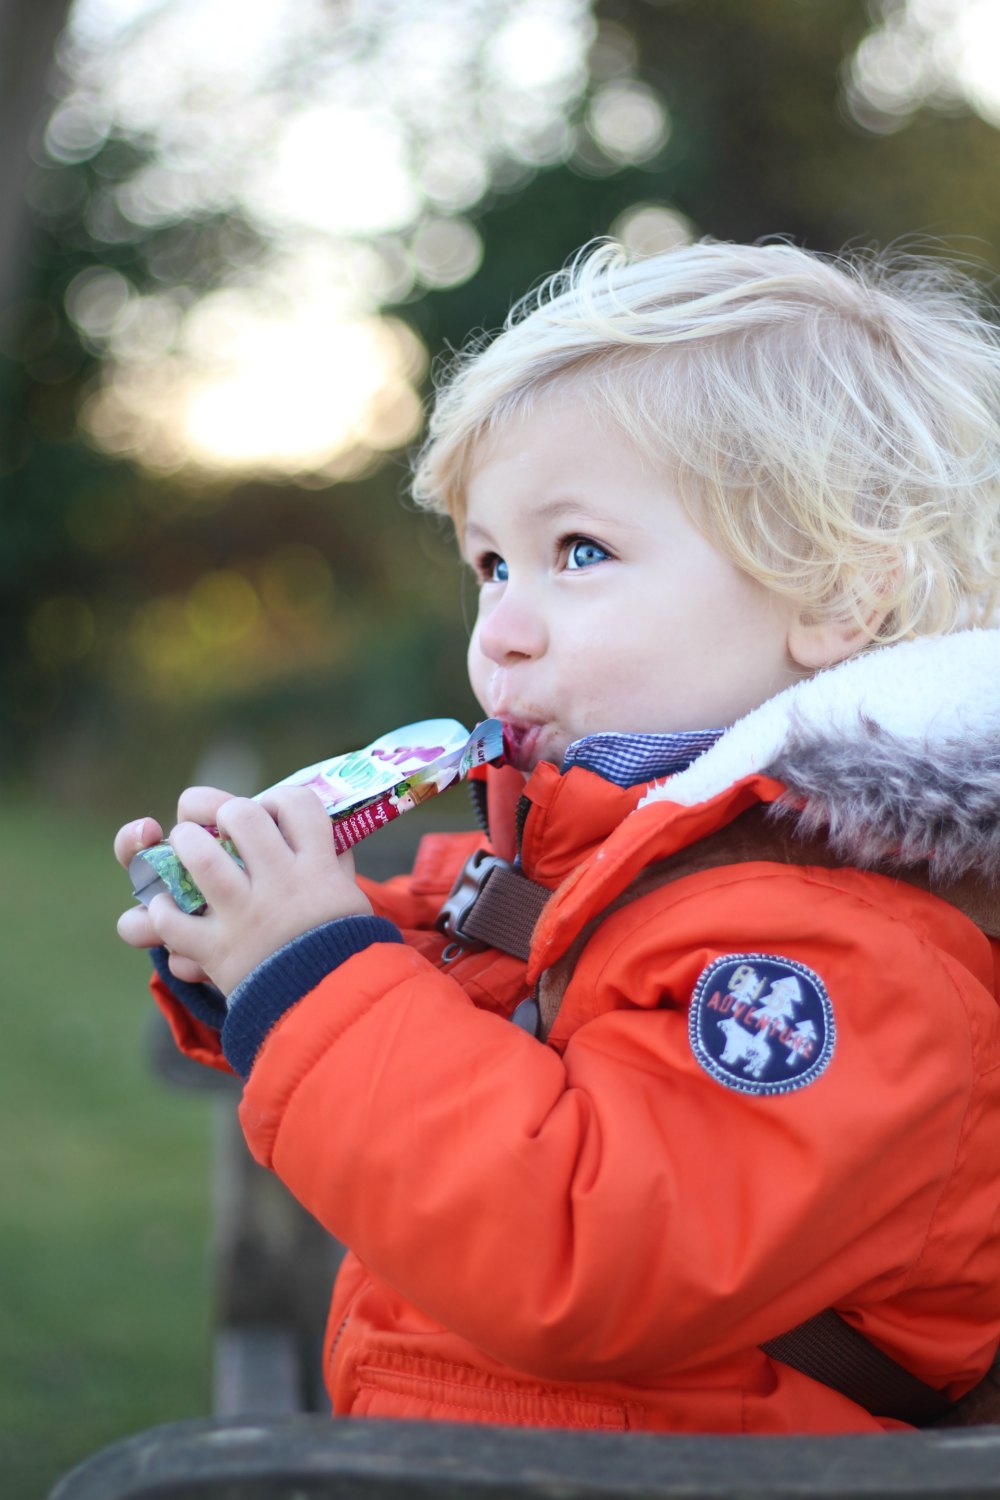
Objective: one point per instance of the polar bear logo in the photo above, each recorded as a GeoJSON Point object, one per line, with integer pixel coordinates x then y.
{"type": "Point", "coordinates": [742, 1046]}
{"type": "Point", "coordinates": [761, 1023]}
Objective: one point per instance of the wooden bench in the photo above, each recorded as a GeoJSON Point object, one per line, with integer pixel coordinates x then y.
{"type": "Point", "coordinates": [316, 1458]}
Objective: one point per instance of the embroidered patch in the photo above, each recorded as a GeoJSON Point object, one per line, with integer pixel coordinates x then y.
{"type": "Point", "coordinates": [761, 1024]}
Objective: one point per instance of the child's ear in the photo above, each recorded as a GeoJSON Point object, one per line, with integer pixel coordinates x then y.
{"type": "Point", "coordinates": [815, 643]}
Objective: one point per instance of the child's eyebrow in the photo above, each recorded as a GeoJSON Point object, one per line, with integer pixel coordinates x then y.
{"type": "Point", "coordinates": [570, 505]}
{"type": "Point", "coordinates": [471, 529]}
{"type": "Point", "coordinates": [580, 510]}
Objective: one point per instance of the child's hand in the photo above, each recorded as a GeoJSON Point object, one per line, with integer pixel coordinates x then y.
{"type": "Point", "coordinates": [200, 804]}
{"type": "Point", "coordinates": [292, 881]}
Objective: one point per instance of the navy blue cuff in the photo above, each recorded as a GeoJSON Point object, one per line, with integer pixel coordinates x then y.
{"type": "Point", "coordinates": [204, 1001]}
{"type": "Point", "coordinates": [263, 997]}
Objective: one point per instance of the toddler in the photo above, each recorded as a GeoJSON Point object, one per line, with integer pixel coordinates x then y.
{"type": "Point", "coordinates": [706, 1046]}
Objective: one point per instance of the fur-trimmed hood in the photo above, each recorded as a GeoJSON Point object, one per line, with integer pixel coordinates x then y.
{"type": "Point", "coordinates": [895, 754]}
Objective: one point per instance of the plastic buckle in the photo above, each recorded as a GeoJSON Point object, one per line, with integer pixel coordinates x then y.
{"type": "Point", "coordinates": [465, 893]}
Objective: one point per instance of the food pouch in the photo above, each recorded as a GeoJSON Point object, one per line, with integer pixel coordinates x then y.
{"type": "Point", "coordinates": [361, 792]}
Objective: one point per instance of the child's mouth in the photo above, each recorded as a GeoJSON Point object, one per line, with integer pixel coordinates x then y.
{"type": "Point", "coordinates": [518, 742]}
{"type": "Point", "coordinates": [513, 738]}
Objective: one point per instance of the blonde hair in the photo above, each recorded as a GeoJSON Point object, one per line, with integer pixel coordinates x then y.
{"type": "Point", "coordinates": [833, 423]}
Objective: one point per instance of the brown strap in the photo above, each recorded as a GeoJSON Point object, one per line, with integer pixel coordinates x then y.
{"type": "Point", "coordinates": [506, 912]}
{"type": "Point", "coordinates": [978, 1407]}
{"type": "Point", "coordinates": [974, 896]}
{"type": "Point", "coordinates": [831, 1351]}
{"type": "Point", "coordinates": [502, 907]}
{"type": "Point", "coordinates": [491, 905]}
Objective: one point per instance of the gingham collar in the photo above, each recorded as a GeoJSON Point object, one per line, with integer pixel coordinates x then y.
{"type": "Point", "coordinates": [630, 759]}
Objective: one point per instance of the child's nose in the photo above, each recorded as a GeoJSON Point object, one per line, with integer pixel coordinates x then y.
{"type": "Point", "coordinates": [513, 630]}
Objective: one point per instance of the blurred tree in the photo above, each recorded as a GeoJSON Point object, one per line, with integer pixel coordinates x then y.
{"type": "Point", "coordinates": [773, 135]}
{"type": "Point", "coordinates": [145, 613]}
{"type": "Point", "coordinates": [190, 605]}
{"type": "Point", "coordinates": [28, 30]}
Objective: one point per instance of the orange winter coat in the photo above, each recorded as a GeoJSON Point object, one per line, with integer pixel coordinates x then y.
{"type": "Point", "coordinates": [600, 1230]}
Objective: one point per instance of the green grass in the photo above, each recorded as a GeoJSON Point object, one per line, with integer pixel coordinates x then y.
{"type": "Point", "coordinates": [104, 1318]}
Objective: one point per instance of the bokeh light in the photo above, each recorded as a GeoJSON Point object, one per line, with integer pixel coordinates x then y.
{"type": "Point", "coordinates": [629, 121]}
{"type": "Point", "coordinates": [283, 376]}
{"type": "Point", "coordinates": [940, 53]}
{"type": "Point", "coordinates": [354, 145]}
{"type": "Point", "coordinates": [651, 228]}
{"type": "Point", "coordinates": [446, 252]}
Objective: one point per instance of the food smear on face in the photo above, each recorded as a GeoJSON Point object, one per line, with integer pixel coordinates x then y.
{"type": "Point", "coordinates": [361, 791]}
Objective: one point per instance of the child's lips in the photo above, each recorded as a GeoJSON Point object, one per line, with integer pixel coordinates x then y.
{"type": "Point", "coordinates": [520, 739]}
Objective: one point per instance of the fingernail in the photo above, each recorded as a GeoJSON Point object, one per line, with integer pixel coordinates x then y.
{"type": "Point", "coordinates": [137, 831]}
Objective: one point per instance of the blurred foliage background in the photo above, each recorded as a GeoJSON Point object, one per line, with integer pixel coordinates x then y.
{"type": "Point", "coordinates": [247, 236]}
{"type": "Point", "coordinates": [234, 242]}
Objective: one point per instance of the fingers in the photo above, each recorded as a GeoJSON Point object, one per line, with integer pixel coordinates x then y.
{"type": "Point", "coordinates": [142, 928]}
{"type": "Point", "coordinates": [288, 881]}
{"type": "Point", "coordinates": [253, 832]}
{"type": "Point", "coordinates": [139, 834]}
{"type": "Point", "coordinates": [200, 804]}
{"type": "Point", "coordinates": [186, 969]}
{"type": "Point", "coordinates": [213, 869]}
{"type": "Point", "coordinates": [301, 818]}
{"type": "Point", "coordinates": [136, 927]}
{"type": "Point", "coordinates": [186, 937]}
{"type": "Point", "coordinates": [252, 828]}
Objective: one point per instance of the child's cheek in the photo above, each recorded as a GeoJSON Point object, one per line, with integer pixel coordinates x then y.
{"type": "Point", "coordinates": [480, 671]}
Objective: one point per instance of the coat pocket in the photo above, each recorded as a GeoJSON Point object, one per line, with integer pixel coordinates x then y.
{"type": "Point", "coordinates": [408, 1386]}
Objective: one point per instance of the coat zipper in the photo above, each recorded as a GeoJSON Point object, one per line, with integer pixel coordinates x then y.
{"type": "Point", "coordinates": [520, 818]}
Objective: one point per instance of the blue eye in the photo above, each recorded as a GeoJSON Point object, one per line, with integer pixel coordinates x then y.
{"type": "Point", "coordinates": [584, 553]}
{"type": "Point", "coordinates": [493, 569]}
